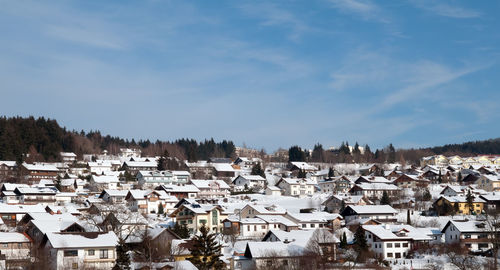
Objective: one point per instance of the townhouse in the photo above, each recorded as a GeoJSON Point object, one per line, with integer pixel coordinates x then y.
{"type": "Point", "coordinates": [196, 215]}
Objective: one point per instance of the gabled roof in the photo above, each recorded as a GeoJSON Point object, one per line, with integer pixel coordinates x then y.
{"type": "Point", "coordinates": [82, 240]}
{"type": "Point", "coordinates": [372, 209]}
{"type": "Point", "coordinates": [467, 226]}
{"type": "Point", "coordinates": [303, 166]}
{"type": "Point", "coordinates": [13, 237]}
{"type": "Point", "coordinates": [105, 179]}
{"type": "Point", "coordinates": [41, 167]}
{"type": "Point", "coordinates": [205, 184]}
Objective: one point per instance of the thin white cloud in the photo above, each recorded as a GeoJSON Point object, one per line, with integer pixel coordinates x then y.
{"type": "Point", "coordinates": [363, 8]}
{"type": "Point", "coordinates": [85, 36]}
{"type": "Point", "coordinates": [447, 10]}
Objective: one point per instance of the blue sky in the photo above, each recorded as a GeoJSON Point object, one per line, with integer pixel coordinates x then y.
{"type": "Point", "coordinates": [265, 73]}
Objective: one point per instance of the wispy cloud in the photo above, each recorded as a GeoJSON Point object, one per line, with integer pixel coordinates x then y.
{"type": "Point", "coordinates": [274, 15]}
{"type": "Point", "coordinates": [447, 10]}
{"type": "Point", "coordinates": [86, 36]}
{"type": "Point", "coordinates": [366, 9]}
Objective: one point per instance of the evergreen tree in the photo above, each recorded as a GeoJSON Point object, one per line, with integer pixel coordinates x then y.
{"type": "Point", "coordinates": [385, 199]}
{"type": "Point", "coordinates": [318, 154]}
{"type": "Point", "coordinates": [181, 230]}
{"type": "Point", "coordinates": [440, 177]}
{"type": "Point", "coordinates": [459, 177]}
{"type": "Point", "coordinates": [360, 240]}
{"type": "Point", "coordinates": [257, 170]}
{"type": "Point", "coordinates": [470, 202]}
{"type": "Point", "coordinates": [408, 218]}
{"type": "Point", "coordinates": [161, 211]}
{"type": "Point", "coordinates": [301, 174]}
{"type": "Point", "coordinates": [392, 154]}
{"type": "Point", "coordinates": [206, 251]}
{"type": "Point", "coordinates": [122, 257]}
{"type": "Point", "coordinates": [343, 241]}
{"type": "Point", "coordinates": [295, 153]}
{"type": "Point", "coordinates": [427, 195]}
{"type": "Point", "coordinates": [342, 206]}
{"type": "Point", "coordinates": [331, 173]}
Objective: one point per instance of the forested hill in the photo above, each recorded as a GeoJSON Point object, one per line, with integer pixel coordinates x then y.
{"type": "Point", "coordinates": [486, 147]}
{"type": "Point", "coordinates": [43, 139]}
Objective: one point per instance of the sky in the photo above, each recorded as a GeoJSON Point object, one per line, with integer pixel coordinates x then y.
{"type": "Point", "coordinates": [265, 74]}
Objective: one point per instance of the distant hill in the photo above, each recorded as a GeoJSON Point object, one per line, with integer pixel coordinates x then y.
{"type": "Point", "coordinates": [43, 139]}
{"type": "Point", "coordinates": [486, 147]}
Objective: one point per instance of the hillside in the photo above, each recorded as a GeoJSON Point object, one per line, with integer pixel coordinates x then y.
{"type": "Point", "coordinates": [43, 139]}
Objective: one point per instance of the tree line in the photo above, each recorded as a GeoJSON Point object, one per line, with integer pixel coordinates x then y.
{"type": "Point", "coordinates": [42, 139]}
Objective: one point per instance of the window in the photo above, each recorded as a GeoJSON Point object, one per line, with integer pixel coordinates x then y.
{"type": "Point", "coordinates": [203, 221]}
{"type": "Point", "coordinates": [71, 253]}
{"type": "Point", "coordinates": [103, 254]}
{"type": "Point", "coordinates": [74, 265]}
{"type": "Point", "coordinates": [5, 245]}
{"type": "Point", "coordinates": [398, 255]}
{"type": "Point", "coordinates": [214, 217]}
{"type": "Point", "coordinates": [389, 245]}
{"type": "Point", "coordinates": [313, 225]}
{"type": "Point", "coordinates": [91, 252]}
{"type": "Point", "coordinates": [263, 227]}
{"type": "Point", "coordinates": [254, 228]}
{"type": "Point", "coordinates": [405, 244]}
{"type": "Point", "coordinates": [304, 225]}
{"type": "Point", "coordinates": [19, 245]}
{"type": "Point", "coordinates": [389, 255]}
{"type": "Point", "coordinates": [397, 245]}
{"type": "Point", "coordinates": [248, 227]}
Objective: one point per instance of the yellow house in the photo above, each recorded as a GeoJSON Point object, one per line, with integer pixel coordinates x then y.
{"type": "Point", "coordinates": [455, 160]}
{"type": "Point", "coordinates": [488, 182]}
{"type": "Point", "coordinates": [461, 201]}
{"type": "Point", "coordinates": [496, 161]}
{"type": "Point", "coordinates": [484, 160]}
{"type": "Point", "coordinates": [195, 215]}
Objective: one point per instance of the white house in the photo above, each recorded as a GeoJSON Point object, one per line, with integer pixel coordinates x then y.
{"type": "Point", "coordinates": [297, 187]}
{"type": "Point", "coordinates": [249, 181]}
{"type": "Point", "coordinates": [474, 235]}
{"type": "Point", "coordinates": [15, 246]}
{"type": "Point", "coordinates": [385, 243]}
{"type": "Point", "coordinates": [105, 181]}
{"type": "Point", "coordinates": [211, 188]}
{"type": "Point", "coordinates": [87, 250]}
{"type": "Point", "coordinates": [273, 191]}
{"type": "Point", "coordinates": [382, 213]}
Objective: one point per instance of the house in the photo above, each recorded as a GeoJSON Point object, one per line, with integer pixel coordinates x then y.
{"type": "Point", "coordinates": [33, 173]}
{"type": "Point", "coordinates": [87, 250]}
{"type": "Point", "coordinates": [32, 195]}
{"type": "Point", "coordinates": [491, 201]}
{"type": "Point", "coordinates": [133, 167]}
{"type": "Point", "coordinates": [195, 215]}
{"type": "Point", "coordinates": [181, 191]}
{"type": "Point", "coordinates": [298, 187]}
{"type": "Point", "coordinates": [8, 170]}
{"type": "Point", "coordinates": [264, 255]}
{"type": "Point", "coordinates": [100, 167]}
{"type": "Point", "coordinates": [489, 182]}
{"type": "Point", "coordinates": [103, 182]}
{"type": "Point", "coordinates": [381, 213]}
{"type": "Point", "coordinates": [113, 195]}
{"type": "Point", "coordinates": [252, 210]}
{"type": "Point", "coordinates": [452, 190]}
{"type": "Point", "coordinates": [411, 181]}
{"type": "Point", "coordinates": [12, 214]}
{"type": "Point", "coordinates": [446, 205]}
{"type": "Point", "coordinates": [7, 192]}
{"type": "Point", "coordinates": [315, 220]}
{"type": "Point", "coordinates": [148, 201]}
{"type": "Point", "coordinates": [68, 157]}
{"type": "Point", "coordinates": [249, 182]}
{"type": "Point", "coordinates": [148, 179]}
{"type": "Point", "coordinates": [279, 222]}
{"type": "Point", "coordinates": [252, 228]}
{"type": "Point", "coordinates": [298, 165]}
{"type": "Point", "coordinates": [200, 169]}
{"type": "Point", "coordinates": [15, 247]}
{"type": "Point", "coordinates": [224, 171]}
{"type": "Point", "coordinates": [211, 188]}
{"type": "Point", "coordinates": [473, 235]}
{"type": "Point", "coordinates": [375, 191]}
{"type": "Point", "coordinates": [273, 191]}
{"type": "Point", "coordinates": [335, 203]}
{"type": "Point", "coordinates": [385, 243]}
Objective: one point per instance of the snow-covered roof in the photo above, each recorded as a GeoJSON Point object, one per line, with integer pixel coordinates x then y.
{"type": "Point", "coordinates": [13, 237]}
{"type": "Point", "coordinates": [277, 219]}
{"type": "Point", "coordinates": [373, 209]}
{"type": "Point", "coordinates": [383, 232]}
{"type": "Point", "coordinates": [314, 217]}
{"type": "Point", "coordinates": [223, 167]}
{"type": "Point", "coordinates": [8, 163]}
{"type": "Point", "coordinates": [303, 166]}
{"type": "Point", "coordinates": [82, 240]}
{"type": "Point", "coordinates": [41, 167]}
{"type": "Point", "coordinates": [267, 209]}
{"type": "Point", "coordinates": [377, 186]}
{"type": "Point", "coordinates": [273, 249]}
{"type": "Point", "coordinates": [205, 184]}
{"type": "Point", "coordinates": [105, 179]}
{"type": "Point", "coordinates": [253, 177]}
{"type": "Point", "coordinates": [114, 192]}
{"type": "Point", "coordinates": [183, 188]}
{"type": "Point", "coordinates": [297, 181]}
{"type": "Point", "coordinates": [11, 186]}
{"type": "Point", "coordinates": [145, 164]}
{"type": "Point", "coordinates": [467, 226]}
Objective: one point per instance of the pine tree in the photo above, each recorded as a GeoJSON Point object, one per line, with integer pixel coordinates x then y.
{"type": "Point", "coordinates": [408, 218]}
{"type": "Point", "coordinates": [470, 202]}
{"type": "Point", "coordinates": [360, 240]}
{"type": "Point", "coordinates": [385, 199]}
{"type": "Point", "coordinates": [181, 230]}
{"type": "Point", "coordinates": [440, 177]}
{"type": "Point", "coordinates": [343, 241]}
{"type": "Point", "coordinates": [427, 195]}
{"type": "Point", "coordinates": [459, 177]}
{"type": "Point", "coordinates": [161, 211]}
{"type": "Point", "coordinates": [122, 257]}
{"type": "Point", "coordinates": [302, 174]}
{"type": "Point", "coordinates": [206, 251]}
{"type": "Point", "coordinates": [257, 170]}
{"type": "Point", "coordinates": [342, 206]}
{"type": "Point", "coordinates": [331, 173]}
